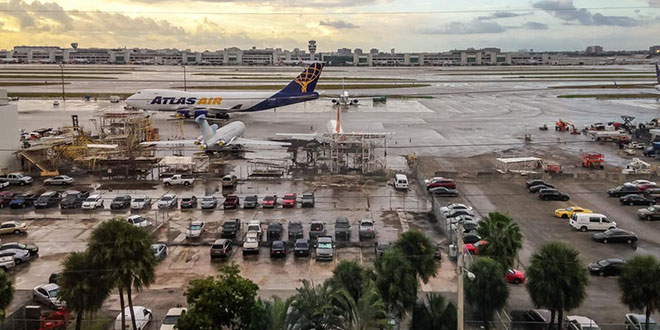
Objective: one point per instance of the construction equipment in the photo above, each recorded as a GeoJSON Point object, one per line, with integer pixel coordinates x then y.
{"type": "Point", "coordinates": [637, 166]}
{"type": "Point", "coordinates": [594, 160]}
{"type": "Point", "coordinates": [562, 125]}
{"type": "Point", "coordinates": [552, 167]}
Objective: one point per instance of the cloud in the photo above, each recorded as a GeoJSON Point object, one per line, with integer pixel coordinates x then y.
{"type": "Point", "coordinates": [339, 24]}
{"type": "Point", "coordinates": [654, 3]}
{"type": "Point", "coordinates": [503, 14]}
{"type": "Point", "coordinates": [565, 10]}
{"type": "Point", "coordinates": [475, 26]}
{"type": "Point", "coordinates": [534, 26]}
{"type": "Point", "coordinates": [282, 3]}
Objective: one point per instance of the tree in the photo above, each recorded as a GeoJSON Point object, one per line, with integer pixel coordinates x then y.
{"type": "Point", "coordinates": [420, 252]}
{"type": "Point", "coordinates": [126, 251]}
{"type": "Point", "coordinates": [272, 315]}
{"type": "Point", "coordinates": [82, 285]}
{"type": "Point", "coordinates": [225, 301]}
{"type": "Point", "coordinates": [313, 308]}
{"type": "Point", "coordinates": [556, 279]}
{"type": "Point", "coordinates": [6, 294]}
{"type": "Point", "coordinates": [503, 236]}
{"type": "Point", "coordinates": [396, 281]}
{"type": "Point", "coordinates": [368, 312]}
{"type": "Point", "coordinates": [640, 285]}
{"type": "Point", "coordinates": [487, 291]}
{"type": "Point", "coordinates": [351, 276]}
{"type": "Point", "coordinates": [434, 313]}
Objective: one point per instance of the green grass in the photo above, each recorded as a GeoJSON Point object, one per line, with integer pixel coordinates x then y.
{"type": "Point", "coordinates": [611, 96]}
{"type": "Point", "coordinates": [319, 86]}
{"type": "Point", "coordinates": [53, 76]}
{"type": "Point", "coordinates": [68, 95]}
{"type": "Point", "coordinates": [23, 83]}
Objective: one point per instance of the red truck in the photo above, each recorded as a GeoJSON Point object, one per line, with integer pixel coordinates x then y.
{"type": "Point", "coordinates": [289, 200]}
{"type": "Point", "coordinates": [231, 202]}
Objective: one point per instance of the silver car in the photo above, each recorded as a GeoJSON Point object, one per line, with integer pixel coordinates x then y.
{"type": "Point", "coordinates": [20, 255]}
{"type": "Point", "coordinates": [195, 229]}
{"type": "Point", "coordinates": [168, 201]}
{"type": "Point", "coordinates": [141, 202]}
{"type": "Point", "coordinates": [47, 295]}
{"type": "Point", "coordinates": [367, 229]}
{"type": "Point", "coordinates": [209, 202]}
{"type": "Point", "coordinates": [61, 180]}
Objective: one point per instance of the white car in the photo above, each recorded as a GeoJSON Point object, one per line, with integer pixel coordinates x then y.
{"type": "Point", "coordinates": [4, 183]}
{"type": "Point", "coordinates": [47, 295]}
{"type": "Point", "coordinates": [61, 180]}
{"type": "Point", "coordinates": [172, 316]}
{"type": "Point", "coordinates": [195, 229]}
{"type": "Point", "coordinates": [92, 202]}
{"type": "Point", "coordinates": [7, 263]}
{"type": "Point", "coordinates": [455, 206]}
{"type": "Point", "coordinates": [575, 322]}
{"type": "Point", "coordinates": [141, 202]}
{"type": "Point", "coordinates": [142, 317]}
{"type": "Point", "coordinates": [640, 182]}
{"type": "Point", "coordinates": [168, 201]}
{"type": "Point", "coordinates": [251, 243]}
{"type": "Point", "coordinates": [138, 221]}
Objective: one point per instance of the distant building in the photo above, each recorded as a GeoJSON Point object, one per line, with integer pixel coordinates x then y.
{"type": "Point", "coordinates": [373, 51]}
{"type": "Point", "coordinates": [357, 51]}
{"type": "Point", "coordinates": [344, 51]}
{"type": "Point", "coordinates": [8, 134]}
{"type": "Point", "coordinates": [594, 50]}
{"type": "Point", "coordinates": [311, 46]}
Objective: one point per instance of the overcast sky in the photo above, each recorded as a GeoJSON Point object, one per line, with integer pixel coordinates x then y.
{"type": "Point", "coordinates": [407, 25]}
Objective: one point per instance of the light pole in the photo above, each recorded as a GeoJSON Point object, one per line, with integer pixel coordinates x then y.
{"type": "Point", "coordinates": [459, 240]}
{"type": "Point", "coordinates": [185, 87]}
{"type": "Point", "coordinates": [62, 76]}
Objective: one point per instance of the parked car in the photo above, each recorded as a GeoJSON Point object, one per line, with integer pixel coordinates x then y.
{"type": "Point", "coordinates": [138, 221]}
{"type": "Point", "coordinates": [221, 248]}
{"type": "Point", "coordinates": [141, 202]}
{"type": "Point", "coordinates": [400, 182]}
{"type": "Point", "coordinates": [19, 256]}
{"type": "Point", "coordinates": [380, 247]}
{"type": "Point", "coordinates": [251, 243]}
{"type": "Point", "coordinates": [575, 322]}
{"type": "Point", "coordinates": [188, 202]}
{"type": "Point", "coordinates": [514, 276]}
{"type": "Point", "coordinates": [615, 235]}
{"type": "Point", "coordinates": [636, 200]}
{"type": "Point", "coordinates": [60, 180]}
{"type": "Point", "coordinates": [274, 231]}
{"type": "Point", "coordinates": [160, 250]}
{"type": "Point", "coordinates": [231, 202]}
{"type": "Point", "coordinates": [607, 267]}
{"type": "Point", "coordinates": [641, 182]}
{"type": "Point", "coordinates": [229, 181]}
{"type": "Point", "coordinates": [471, 237]}
{"type": "Point", "coordinates": [649, 213]}
{"type": "Point", "coordinates": [535, 182]}
{"type": "Point", "coordinates": [624, 190]}
{"type": "Point", "coordinates": [47, 294]}
{"type": "Point", "coordinates": [18, 179]}
{"type": "Point", "coordinates": [590, 221]}
{"type": "Point", "coordinates": [120, 202]}
{"type": "Point", "coordinates": [566, 213]}
{"type": "Point", "coordinates": [444, 192]}
{"type": "Point", "coordinates": [454, 206]}
{"type": "Point", "coordinates": [22, 201]}
{"type": "Point", "coordinates": [13, 227]}
{"type": "Point", "coordinates": [172, 317]}
{"type": "Point", "coordinates": [278, 249]}
{"type": "Point", "coordinates": [440, 182]}
{"type": "Point", "coordinates": [230, 228]}
{"type": "Point", "coordinates": [195, 229]}
{"type": "Point", "coordinates": [295, 230]}
{"type": "Point", "coordinates": [535, 189]}
{"type": "Point", "coordinates": [93, 202]}
{"type": "Point", "coordinates": [179, 179]}
{"type": "Point", "coordinates": [531, 319]}
{"type": "Point", "coordinates": [316, 229]}
{"type": "Point", "coordinates": [209, 202]}
{"type": "Point", "coordinates": [48, 199]}
{"type": "Point", "coordinates": [638, 322]}
{"type": "Point", "coordinates": [4, 183]}
{"type": "Point", "coordinates": [307, 200]}
{"type": "Point", "coordinates": [325, 248]}
{"type": "Point", "coordinates": [74, 200]}
{"type": "Point", "coordinates": [142, 317]}
{"type": "Point", "coordinates": [652, 193]}
{"type": "Point", "coordinates": [168, 201]}
{"type": "Point", "coordinates": [459, 212]}
{"type": "Point", "coordinates": [301, 248]}
{"type": "Point", "coordinates": [342, 228]}
{"type": "Point", "coordinates": [31, 248]}
{"type": "Point", "coordinates": [269, 201]}
{"type": "Point", "coordinates": [366, 229]}
{"type": "Point", "coordinates": [7, 263]}
{"type": "Point", "coordinates": [289, 200]}
{"type": "Point", "coordinates": [474, 248]}
{"type": "Point", "coordinates": [250, 202]}
{"type": "Point", "coordinates": [553, 195]}
{"type": "Point", "coordinates": [5, 198]}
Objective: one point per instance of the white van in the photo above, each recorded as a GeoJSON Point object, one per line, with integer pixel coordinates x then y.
{"type": "Point", "coordinates": [400, 182]}
{"type": "Point", "coordinates": [591, 221]}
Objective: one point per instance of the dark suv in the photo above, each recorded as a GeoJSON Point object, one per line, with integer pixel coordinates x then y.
{"type": "Point", "coordinates": [342, 228]}
{"type": "Point", "coordinates": [74, 200]}
{"type": "Point", "coordinates": [48, 199]}
{"type": "Point", "coordinates": [221, 248]}
{"type": "Point", "coordinates": [623, 190]}
{"type": "Point", "coordinates": [188, 202]}
{"type": "Point", "coordinates": [553, 195]}
{"type": "Point", "coordinates": [120, 202]}
{"type": "Point", "coordinates": [295, 230]}
{"type": "Point", "coordinates": [274, 231]}
{"type": "Point", "coordinates": [22, 201]}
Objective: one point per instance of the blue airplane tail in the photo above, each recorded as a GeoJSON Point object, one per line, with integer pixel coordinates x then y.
{"type": "Point", "coordinates": [305, 83]}
{"type": "Point", "coordinates": [657, 73]}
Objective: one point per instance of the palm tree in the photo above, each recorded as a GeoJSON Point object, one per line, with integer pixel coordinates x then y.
{"type": "Point", "coordinates": [640, 285]}
{"type": "Point", "coordinates": [503, 236]}
{"type": "Point", "coordinates": [351, 276]}
{"type": "Point", "coordinates": [396, 281]}
{"type": "Point", "coordinates": [487, 291]}
{"type": "Point", "coordinates": [82, 285]}
{"type": "Point", "coordinates": [368, 312]}
{"type": "Point", "coordinates": [126, 251]}
{"type": "Point", "coordinates": [6, 294]}
{"type": "Point", "coordinates": [420, 252]}
{"type": "Point", "coordinates": [276, 314]}
{"type": "Point", "coordinates": [312, 308]}
{"type": "Point", "coordinates": [434, 313]}
{"type": "Point", "coordinates": [556, 279]}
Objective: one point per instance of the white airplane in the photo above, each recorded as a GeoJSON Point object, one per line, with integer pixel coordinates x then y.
{"type": "Point", "coordinates": [220, 104]}
{"type": "Point", "coordinates": [215, 139]}
{"type": "Point", "coordinates": [344, 97]}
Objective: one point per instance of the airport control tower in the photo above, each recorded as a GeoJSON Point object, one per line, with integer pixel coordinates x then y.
{"type": "Point", "coordinates": [311, 46]}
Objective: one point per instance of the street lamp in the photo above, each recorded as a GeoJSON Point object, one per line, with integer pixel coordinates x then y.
{"type": "Point", "coordinates": [185, 87]}
{"type": "Point", "coordinates": [62, 76]}
{"type": "Point", "coordinates": [461, 271]}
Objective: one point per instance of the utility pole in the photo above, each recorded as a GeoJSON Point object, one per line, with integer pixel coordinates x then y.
{"type": "Point", "coordinates": [460, 262]}
{"type": "Point", "coordinates": [185, 87]}
{"type": "Point", "coordinates": [62, 76]}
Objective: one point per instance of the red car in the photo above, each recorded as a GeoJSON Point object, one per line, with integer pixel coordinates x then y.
{"type": "Point", "coordinates": [474, 248]}
{"type": "Point", "coordinates": [231, 202]}
{"type": "Point", "coordinates": [289, 200]}
{"type": "Point", "coordinates": [269, 201]}
{"type": "Point", "coordinates": [5, 198]}
{"type": "Point", "coordinates": [515, 276]}
{"type": "Point", "coordinates": [440, 182]}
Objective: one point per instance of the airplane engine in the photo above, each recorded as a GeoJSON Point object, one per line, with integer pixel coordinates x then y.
{"type": "Point", "coordinates": [354, 102]}
{"type": "Point", "coordinates": [334, 101]}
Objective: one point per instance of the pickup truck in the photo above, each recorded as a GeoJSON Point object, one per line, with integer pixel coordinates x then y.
{"type": "Point", "coordinates": [231, 202]}
{"type": "Point", "coordinates": [230, 228]}
{"type": "Point", "coordinates": [18, 179]}
{"type": "Point", "coordinates": [179, 179]}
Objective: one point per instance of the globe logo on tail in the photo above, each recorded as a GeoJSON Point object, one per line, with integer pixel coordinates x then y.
{"type": "Point", "coordinates": [309, 75]}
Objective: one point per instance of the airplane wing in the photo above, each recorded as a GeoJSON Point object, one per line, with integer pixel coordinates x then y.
{"type": "Point", "coordinates": [169, 143]}
{"type": "Point", "coordinates": [241, 140]}
{"type": "Point", "coordinates": [300, 136]}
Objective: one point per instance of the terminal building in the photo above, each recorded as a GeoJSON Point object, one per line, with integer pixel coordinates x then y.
{"type": "Point", "coordinates": [593, 55]}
